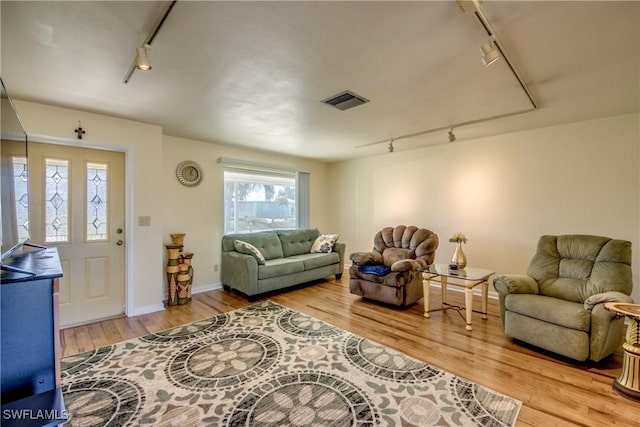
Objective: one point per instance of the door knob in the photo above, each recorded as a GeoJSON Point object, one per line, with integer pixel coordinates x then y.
{"type": "Point", "coordinates": [119, 242]}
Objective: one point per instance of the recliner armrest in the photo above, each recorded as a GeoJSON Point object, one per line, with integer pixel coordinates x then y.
{"type": "Point", "coordinates": [408, 265]}
{"type": "Point", "coordinates": [366, 258]}
{"type": "Point", "coordinates": [515, 284]}
{"type": "Point", "coordinates": [611, 296]}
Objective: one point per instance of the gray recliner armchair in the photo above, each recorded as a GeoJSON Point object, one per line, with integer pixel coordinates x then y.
{"type": "Point", "coordinates": [559, 304]}
{"type": "Point", "coordinates": [391, 272]}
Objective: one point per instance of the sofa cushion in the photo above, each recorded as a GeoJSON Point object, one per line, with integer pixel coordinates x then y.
{"type": "Point", "coordinates": [249, 249]}
{"type": "Point", "coordinates": [561, 312]}
{"type": "Point", "coordinates": [324, 243]}
{"type": "Point", "coordinates": [311, 261]}
{"type": "Point", "coordinates": [296, 242]}
{"type": "Point", "coordinates": [279, 267]}
{"type": "Point", "coordinates": [267, 243]}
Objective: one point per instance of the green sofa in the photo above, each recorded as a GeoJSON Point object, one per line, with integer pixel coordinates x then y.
{"type": "Point", "coordinates": [559, 304]}
{"type": "Point", "coordinates": [287, 261]}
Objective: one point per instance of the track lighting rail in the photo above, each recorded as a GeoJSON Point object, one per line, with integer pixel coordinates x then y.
{"type": "Point", "coordinates": [498, 44]}
{"type": "Point", "coordinates": [473, 5]}
{"type": "Point", "coordinates": [453, 126]}
{"type": "Point", "coordinates": [149, 39]}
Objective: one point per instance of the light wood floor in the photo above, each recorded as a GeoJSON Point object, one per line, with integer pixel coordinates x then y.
{"type": "Point", "coordinates": [554, 391]}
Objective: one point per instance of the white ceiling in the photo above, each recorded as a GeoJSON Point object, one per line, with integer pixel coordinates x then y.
{"type": "Point", "coordinates": [254, 73]}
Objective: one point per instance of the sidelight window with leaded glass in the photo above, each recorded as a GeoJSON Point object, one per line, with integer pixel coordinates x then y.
{"type": "Point", "coordinates": [97, 201]}
{"type": "Point", "coordinates": [21, 191]}
{"type": "Point", "coordinates": [56, 200]}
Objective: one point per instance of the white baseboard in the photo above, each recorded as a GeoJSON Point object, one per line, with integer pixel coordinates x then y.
{"type": "Point", "coordinates": [159, 307]}
{"type": "Point", "coordinates": [145, 310]}
{"type": "Point", "coordinates": [206, 288]}
{"type": "Point", "coordinates": [200, 289]}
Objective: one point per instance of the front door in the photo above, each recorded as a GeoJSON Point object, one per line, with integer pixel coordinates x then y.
{"type": "Point", "coordinates": [77, 205]}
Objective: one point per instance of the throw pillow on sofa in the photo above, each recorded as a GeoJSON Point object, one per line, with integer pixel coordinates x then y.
{"type": "Point", "coordinates": [249, 249]}
{"type": "Point", "coordinates": [324, 243]}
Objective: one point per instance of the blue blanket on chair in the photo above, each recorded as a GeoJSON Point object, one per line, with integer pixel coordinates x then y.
{"type": "Point", "coordinates": [378, 269]}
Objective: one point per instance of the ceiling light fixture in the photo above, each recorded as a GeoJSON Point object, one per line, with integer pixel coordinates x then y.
{"type": "Point", "coordinates": [142, 58]}
{"type": "Point", "coordinates": [452, 136]}
{"type": "Point", "coordinates": [141, 61]}
{"type": "Point", "coordinates": [489, 51]}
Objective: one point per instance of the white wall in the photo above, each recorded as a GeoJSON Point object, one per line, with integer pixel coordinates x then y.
{"type": "Point", "coordinates": [142, 144]}
{"type": "Point", "coordinates": [197, 211]}
{"type": "Point", "coordinates": [153, 190]}
{"type": "Point", "coordinates": [503, 192]}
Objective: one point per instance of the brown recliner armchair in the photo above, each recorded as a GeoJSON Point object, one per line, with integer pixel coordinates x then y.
{"type": "Point", "coordinates": [391, 272]}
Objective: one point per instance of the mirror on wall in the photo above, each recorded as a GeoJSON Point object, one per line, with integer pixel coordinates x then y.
{"type": "Point", "coordinates": [14, 188]}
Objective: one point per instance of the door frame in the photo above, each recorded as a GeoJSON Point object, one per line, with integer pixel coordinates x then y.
{"type": "Point", "coordinates": [128, 212]}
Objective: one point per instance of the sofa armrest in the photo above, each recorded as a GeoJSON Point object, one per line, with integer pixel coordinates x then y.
{"type": "Point", "coordinates": [240, 272]}
{"type": "Point", "coordinates": [515, 284]}
{"type": "Point", "coordinates": [340, 248]}
{"type": "Point", "coordinates": [611, 296]}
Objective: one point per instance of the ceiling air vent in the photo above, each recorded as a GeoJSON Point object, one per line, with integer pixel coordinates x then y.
{"type": "Point", "coordinates": [345, 100]}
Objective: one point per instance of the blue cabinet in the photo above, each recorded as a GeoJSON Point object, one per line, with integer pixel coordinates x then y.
{"type": "Point", "coordinates": [30, 339]}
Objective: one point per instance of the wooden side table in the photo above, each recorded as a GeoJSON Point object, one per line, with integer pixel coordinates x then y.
{"type": "Point", "coordinates": [469, 278]}
{"type": "Point", "coordinates": [628, 382]}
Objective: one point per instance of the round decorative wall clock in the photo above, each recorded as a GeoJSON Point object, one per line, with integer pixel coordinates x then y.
{"type": "Point", "coordinates": [189, 173]}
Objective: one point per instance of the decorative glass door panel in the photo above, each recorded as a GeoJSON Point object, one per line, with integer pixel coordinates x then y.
{"type": "Point", "coordinates": [56, 200]}
{"type": "Point", "coordinates": [97, 202]}
{"type": "Point", "coordinates": [20, 184]}
{"type": "Point", "coordinates": [77, 205]}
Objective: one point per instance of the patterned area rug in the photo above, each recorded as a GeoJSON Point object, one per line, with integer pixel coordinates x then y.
{"type": "Point", "coordinates": [267, 365]}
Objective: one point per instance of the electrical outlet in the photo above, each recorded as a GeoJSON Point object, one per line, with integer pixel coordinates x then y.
{"type": "Point", "coordinates": [215, 268]}
{"type": "Point", "coordinates": [144, 221]}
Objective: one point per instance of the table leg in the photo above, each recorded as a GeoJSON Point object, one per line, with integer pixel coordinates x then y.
{"type": "Point", "coordinates": [443, 284]}
{"type": "Point", "coordinates": [485, 295]}
{"type": "Point", "coordinates": [628, 382]}
{"type": "Point", "coordinates": [468, 306]}
{"type": "Point", "coordinates": [426, 283]}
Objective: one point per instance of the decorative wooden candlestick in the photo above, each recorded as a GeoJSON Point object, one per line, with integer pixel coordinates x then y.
{"type": "Point", "coordinates": [178, 239]}
{"type": "Point", "coordinates": [179, 271]}
{"type": "Point", "coordinates": [185, 278]}
{"type": "Point", "coordinates": [173, 268]}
